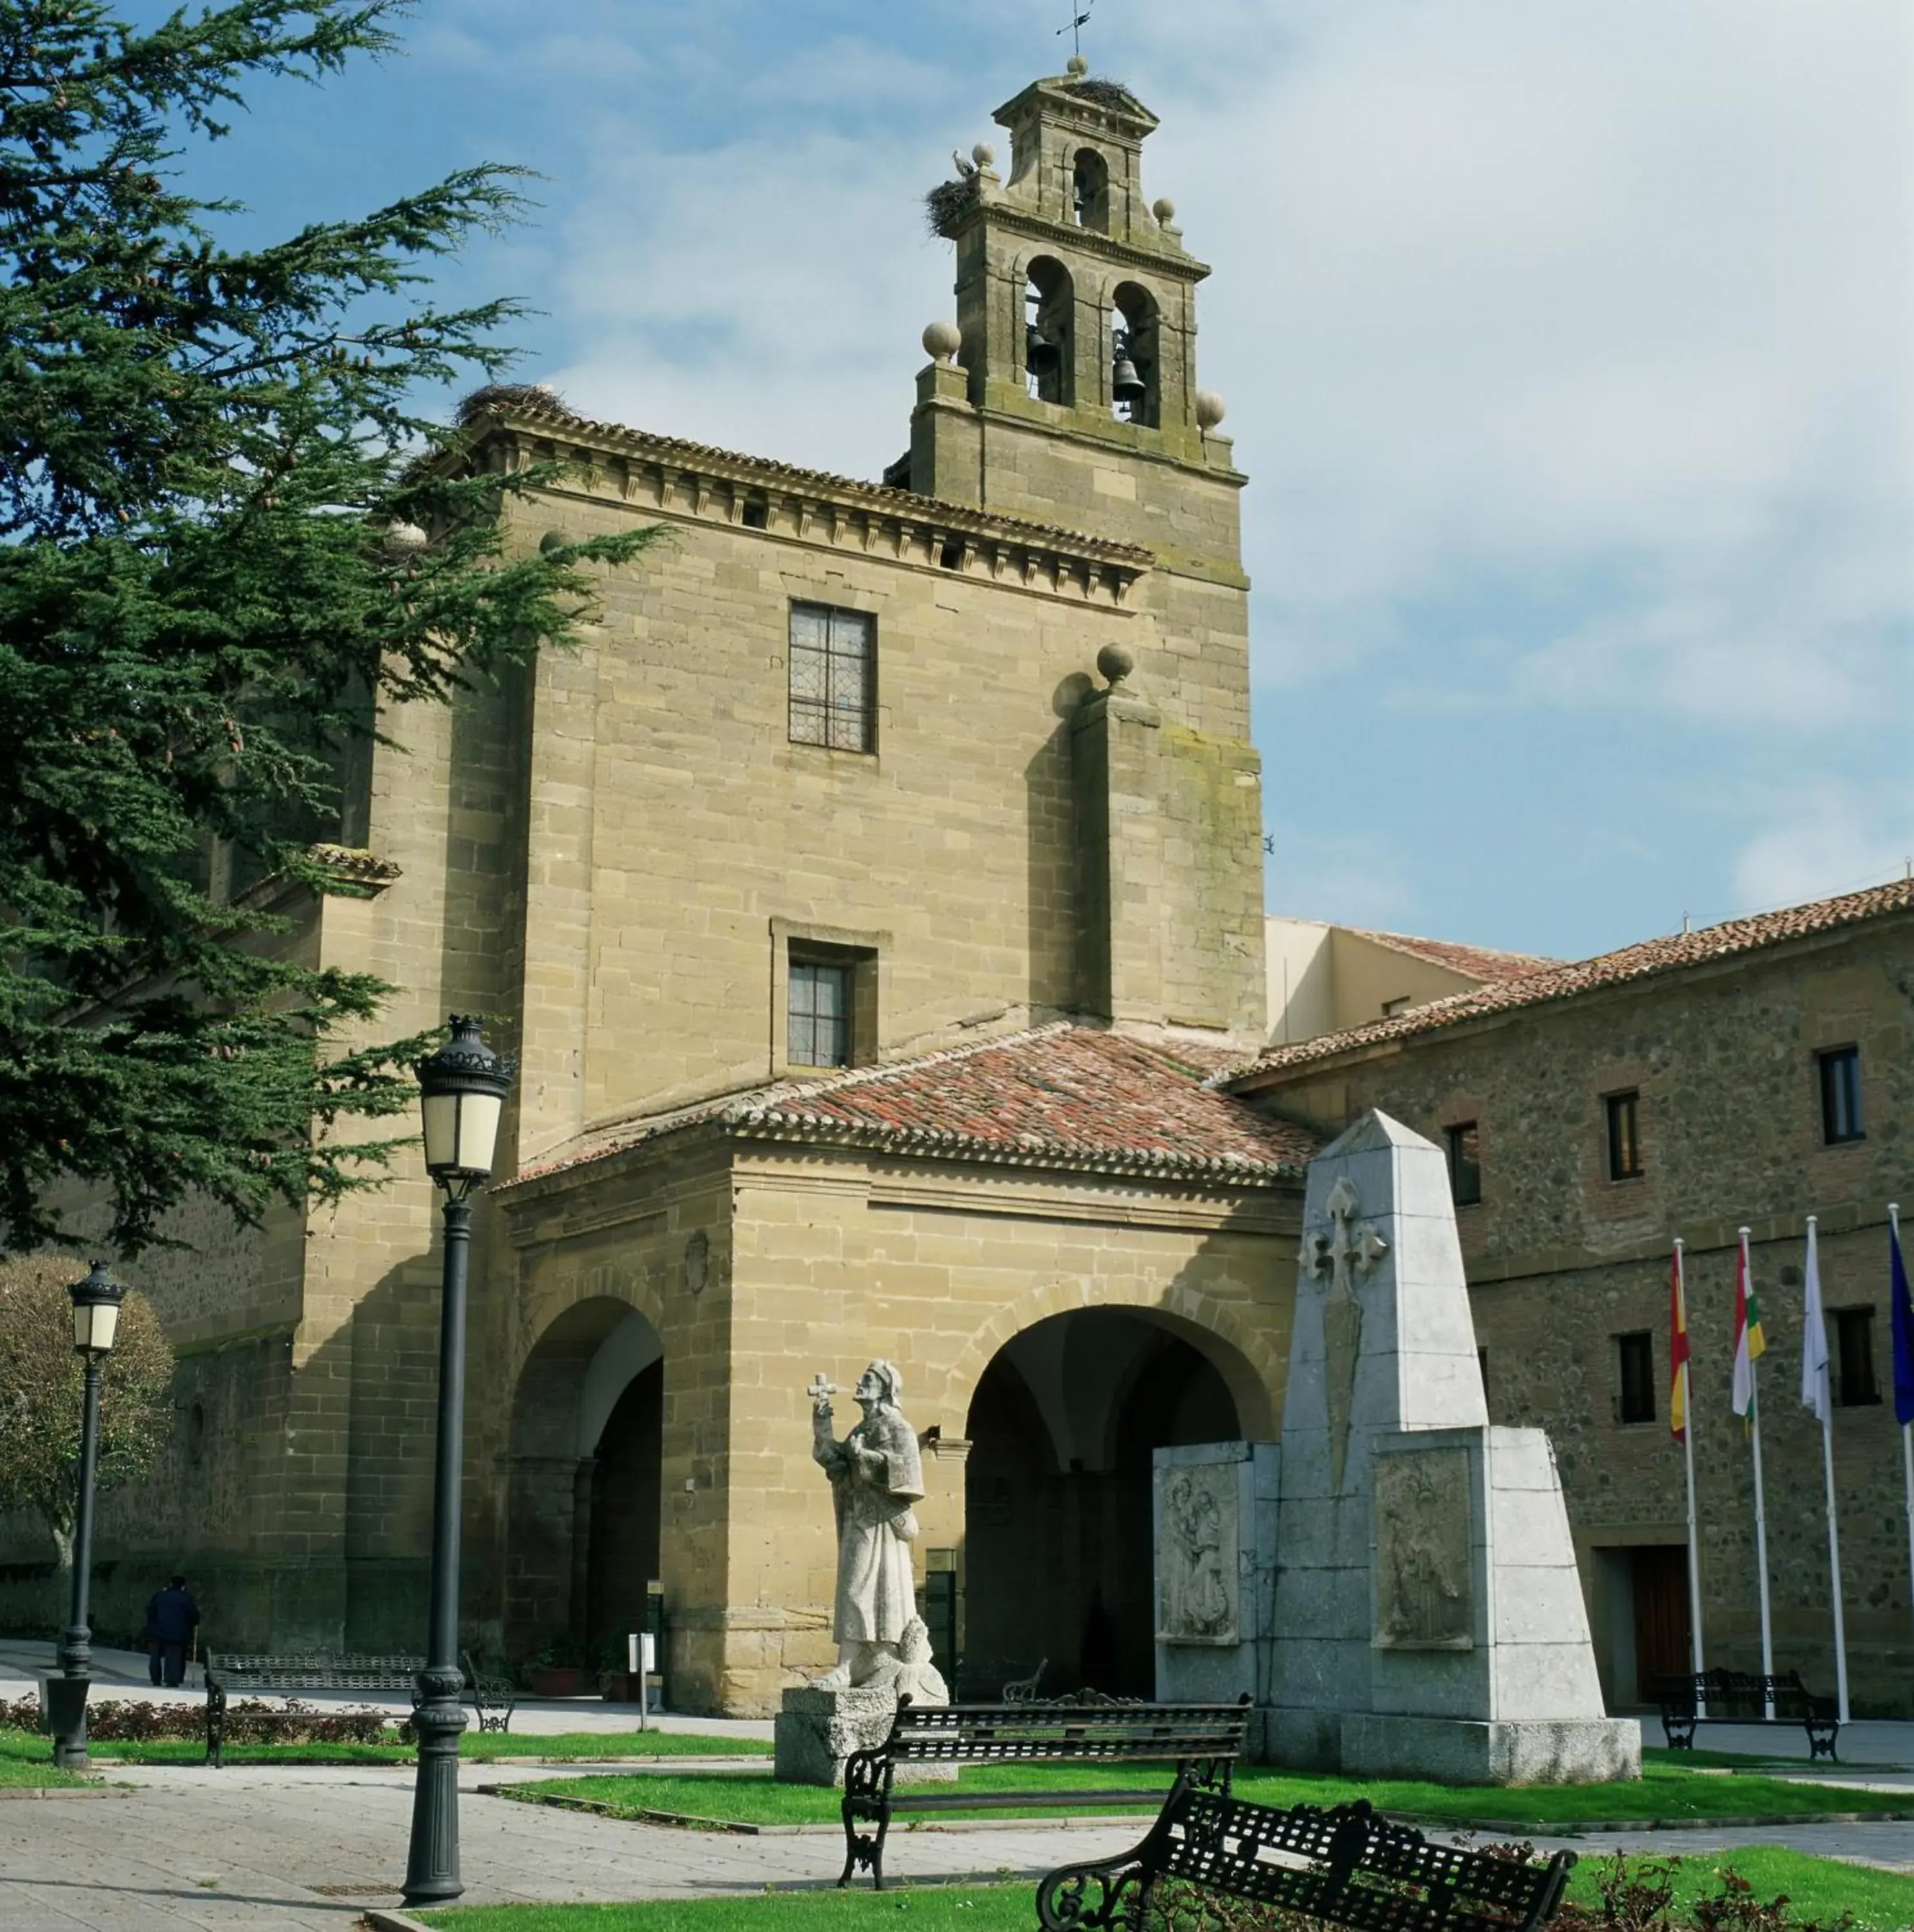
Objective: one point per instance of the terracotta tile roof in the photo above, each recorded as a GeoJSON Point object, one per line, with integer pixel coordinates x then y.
{"type": "Point", "coordinates": [556, 418]}
{"type": "Point", "coordinates": [1652, 957]}
{"type": "Point", "coordinates": [1060, 1096]}
{"type": "Point", "coordinates": [1479, 962]}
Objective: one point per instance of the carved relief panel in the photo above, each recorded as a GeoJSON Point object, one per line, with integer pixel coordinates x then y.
{"type": "Point", "coordinates": [1200, 1589]}
{"type": "Point", "coordinates": [1424, 1572]}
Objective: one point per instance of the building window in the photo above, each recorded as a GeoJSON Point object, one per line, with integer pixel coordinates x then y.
{"type": "Point", "coordinates": [833, 678]}
{"type": "Point", "coordinates": [819, 1031]}
{"type": "Point", "coordinates": [1635, 1377]}
{"type": "Point", "coordinates": [1841, 1094]}
{"type": "Point", "coordinates": [1465, 1163]}
{"type": "Point", "coordinates": [1401, 1004]}
{"type": "Point", "coordinates": [1855, 1385]}
{"type": "Point", "coordinates": [1624, 1137]}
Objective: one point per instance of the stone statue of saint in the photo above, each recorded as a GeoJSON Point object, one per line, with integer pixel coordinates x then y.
{"type": "Point", "coordinates": [876, 1475]}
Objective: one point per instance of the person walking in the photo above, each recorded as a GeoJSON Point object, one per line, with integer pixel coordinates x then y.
{"type": "Point", "coordinates": [171, 1617]}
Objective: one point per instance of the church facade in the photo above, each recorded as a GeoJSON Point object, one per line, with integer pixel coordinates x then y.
{"type": "Point", "coordinates": [865, 902]}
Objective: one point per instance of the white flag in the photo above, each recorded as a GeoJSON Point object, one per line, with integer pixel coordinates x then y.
{"type": "Point", "coordinates": [1815, 1393]}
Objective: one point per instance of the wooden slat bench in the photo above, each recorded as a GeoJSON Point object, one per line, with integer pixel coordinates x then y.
{"type": "Point", "coordinates": [228, 1672]}
{"type": "Point", "coordinates": [1347, 1866]}
{"type": "Point", "coordinates": [1743, 1697]}
{"type": "Point", "coordinates": [1203, 1741]}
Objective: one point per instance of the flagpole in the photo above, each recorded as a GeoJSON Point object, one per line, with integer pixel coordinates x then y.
{"type": "Point", "coordinates": [1827, 1469]}
{"type": "Point", "coordinates": [1760, 1508]}
{"type": "Point", "coordinates": [1906, 1439]}
{"type": "Point", "coordinates": [1688, 1451]}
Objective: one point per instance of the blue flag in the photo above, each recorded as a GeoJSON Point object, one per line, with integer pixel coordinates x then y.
{"type": "Point", "coordinates": [1903, 1320]}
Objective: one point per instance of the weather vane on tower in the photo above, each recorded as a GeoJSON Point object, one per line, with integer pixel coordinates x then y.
{"type": "Point", "coordinates": [1078, 22]}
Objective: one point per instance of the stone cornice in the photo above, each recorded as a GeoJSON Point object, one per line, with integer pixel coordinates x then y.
{"type": "Point", "coordinates": [690, 481]}
{"type": "Point", "coordinates": [1179, 265]}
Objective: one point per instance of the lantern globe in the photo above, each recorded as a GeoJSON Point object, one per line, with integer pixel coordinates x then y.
{"type": "Point", "coordinates": [96, 1307]}
{"type": "Point", "coordinates": [463, 1087]}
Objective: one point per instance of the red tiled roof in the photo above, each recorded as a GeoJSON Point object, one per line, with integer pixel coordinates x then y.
{"type": "Point", "coordinates": [1652, 956]}
{"type": "Point", "coordinates": [1061, 1096]}
{"type": "Point", "coordinates": [1479, 962]}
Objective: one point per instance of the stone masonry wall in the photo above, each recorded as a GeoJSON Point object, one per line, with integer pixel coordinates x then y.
{"type": "Point", "coordinates": [1561, 1260]}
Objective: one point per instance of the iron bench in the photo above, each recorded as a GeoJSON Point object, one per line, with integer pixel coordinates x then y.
{"type": "Point", "coordinates": [1202, 1741]}
{"type": "Point", "coordinates": [1347, 1866]}
{"type": "Point", "coordinates": [285, 1676]}
{"type": "Point", "coordinates": [493, 1699]}
{"type": "Point", "coordinates": [1001, 1681]}
{"type": "Point", "coordinates": [1745, 1697]}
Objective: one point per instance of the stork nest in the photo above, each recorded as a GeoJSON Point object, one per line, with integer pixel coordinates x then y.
{"type": "Point", "coordinates": [511, 396]}
{"type": "Point", "coordinates": [948, 203]}
{"type": "Point", "coordinates": [1111, 94]}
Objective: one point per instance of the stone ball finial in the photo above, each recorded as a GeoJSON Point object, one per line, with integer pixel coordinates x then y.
{"type": "Point", "coordinates": [404, 539]}
{"type": "Point", "coordinates": [1209, 410]}
{"type": "Point", "coordinates": [1115, 662]}
{"type": "Point", "coordinates": [942, 340]}
{"type": "Point", "coordinates": [1164, 209]}
{"type": "Point", "coordinates": [983, 154]}
{"type": "Point", "coordinates": [1076, 66]}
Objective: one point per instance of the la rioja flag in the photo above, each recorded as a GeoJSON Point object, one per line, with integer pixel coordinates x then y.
{"type": "Point", "coordinates": [1677, 1353]}
{"type": "Point", "coordinates": [1749, 1343]}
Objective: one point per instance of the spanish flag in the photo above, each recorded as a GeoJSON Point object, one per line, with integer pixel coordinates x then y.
{"type": "Point", "coordinates": [1677, 1353]}
{"type": "Point", "coordinates": [1749, 1343]}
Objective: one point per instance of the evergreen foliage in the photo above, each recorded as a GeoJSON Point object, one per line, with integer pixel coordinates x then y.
{"type": "Point", "coordinates": [41, 1388]}
{"type": "Point", "coordinates": [230, 541]}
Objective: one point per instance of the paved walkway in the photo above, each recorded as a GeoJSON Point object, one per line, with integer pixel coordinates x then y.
{"type": "Point", "coordinates": [170, 1848]}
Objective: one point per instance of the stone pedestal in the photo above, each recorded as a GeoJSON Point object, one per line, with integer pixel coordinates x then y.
{"type": "Point", "coordinates": [817, 1730]}
{"type": "Point", "coordinates": [1451, 1750]}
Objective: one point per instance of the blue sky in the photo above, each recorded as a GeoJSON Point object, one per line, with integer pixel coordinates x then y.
{"type": "Point", "coordinates": [1569, 344]}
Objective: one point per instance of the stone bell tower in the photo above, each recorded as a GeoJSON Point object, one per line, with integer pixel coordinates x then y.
{"type": "Point", "coordinates": [1065, 392]}
{"type": "Point", "coordinates": [1074, 388]}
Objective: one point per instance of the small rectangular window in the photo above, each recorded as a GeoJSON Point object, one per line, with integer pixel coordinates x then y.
{"type": "Point", "coordinates": [1853, 1365]}
{"type": "Point", "coordinates": [1400, 1004]}
{"type": "Point", "coordinates": [1465, 1163]}
{"type": "Point", "coordinates": [1841, 1094]}
{"type": "Point", "coordinates": [1635, 1377]}
{"type": "Point", "coordinates": [833, 678]}
{"type": "Point", "coordinates": [819, 1016]}
{"type": "Point", "coordinates": [1624, 1137]}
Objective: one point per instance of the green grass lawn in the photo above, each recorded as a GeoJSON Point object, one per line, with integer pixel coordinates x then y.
{"type": "Point", "coordinates": [1818, 1888]}
{"type": "Point", "coordinates": [22, 1774]}
{"type": "Point", "coordinates": [489, 1748]}
{"type": "Point", "coordinates": [1665, 1793]}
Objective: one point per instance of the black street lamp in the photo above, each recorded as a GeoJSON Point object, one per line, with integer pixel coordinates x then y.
{"type": "Point", "coordinates": [464, 1085]}
{"type": "Point", "coordinates": [96, 1307]}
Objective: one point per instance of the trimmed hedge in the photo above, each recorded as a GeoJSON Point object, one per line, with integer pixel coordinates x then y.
{"type": "Point", "coordinates": [118, 1720]}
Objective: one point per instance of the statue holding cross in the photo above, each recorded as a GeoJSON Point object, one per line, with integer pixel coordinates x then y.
{"type": "Point", "coordinates": [876, 1474]}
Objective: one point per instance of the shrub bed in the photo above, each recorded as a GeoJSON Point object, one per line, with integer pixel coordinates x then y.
{"type": "Point", "coordinates": [121, 1720]}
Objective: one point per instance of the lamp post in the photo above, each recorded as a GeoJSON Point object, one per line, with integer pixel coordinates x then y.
{"type": "Point", "coordinates": [96, 1307]}
{"type": "Point", "coordinates": [463, 1087]}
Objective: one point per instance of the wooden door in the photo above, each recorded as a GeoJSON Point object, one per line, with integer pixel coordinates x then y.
{"type": "Point", "coordinates": [1661, 1616]}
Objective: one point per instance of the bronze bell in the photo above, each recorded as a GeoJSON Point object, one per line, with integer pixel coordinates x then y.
{"type": "Point", "coordinates": [1126, 385]}
{"type": "Point", "coordinates": [1041, 355]}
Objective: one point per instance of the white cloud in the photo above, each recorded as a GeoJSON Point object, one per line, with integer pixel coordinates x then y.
{"type": "Point", "coordinates": [1833, 838]}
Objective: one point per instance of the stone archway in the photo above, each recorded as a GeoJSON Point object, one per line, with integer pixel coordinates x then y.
{"type": "Point", "coordinates": [584, 1470]}
{"type": "Point", "coordinates": [1062, 1426]}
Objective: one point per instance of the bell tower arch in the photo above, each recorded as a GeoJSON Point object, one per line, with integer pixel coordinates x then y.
{"type": "Point", "coordinates": [1089, 403]}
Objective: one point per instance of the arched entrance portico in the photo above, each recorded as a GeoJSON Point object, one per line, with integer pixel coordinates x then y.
{"type": "Point", "coordinates": [1057, 1488]}
{"type": "Point", "coordinates": [584, 1467]}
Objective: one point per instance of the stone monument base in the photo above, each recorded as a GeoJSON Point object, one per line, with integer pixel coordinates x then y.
{"type": "Point", "coordinates": [1454, 1750]}
{"type": "Point", "coordinates": [817, 1730]}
